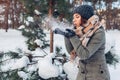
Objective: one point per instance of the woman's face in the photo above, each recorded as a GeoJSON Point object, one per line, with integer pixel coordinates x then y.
{"type": "Point", "coordinates": [76, 20]}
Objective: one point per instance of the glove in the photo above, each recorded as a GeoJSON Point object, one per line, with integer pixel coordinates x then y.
{"type": "Point", "coordinates": [69, 33]}
{"type": "Point", "coordinates": [58, 31]}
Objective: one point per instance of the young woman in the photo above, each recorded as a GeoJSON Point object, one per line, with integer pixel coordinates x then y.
{"type": "Point", "coordinates": [88, 44]}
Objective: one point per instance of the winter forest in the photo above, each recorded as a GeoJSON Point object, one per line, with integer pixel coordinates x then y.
{"type": "Point", "coordinates": [29, 49]}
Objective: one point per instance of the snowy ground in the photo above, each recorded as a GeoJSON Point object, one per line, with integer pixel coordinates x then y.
{"type": "Point", "coordinates": [12, 40]}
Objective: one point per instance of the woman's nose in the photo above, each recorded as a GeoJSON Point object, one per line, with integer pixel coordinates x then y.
{"type": "Point", "coordinates": [73, 20]}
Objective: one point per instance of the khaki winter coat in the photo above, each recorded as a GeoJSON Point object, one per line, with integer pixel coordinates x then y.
{"type": "Point", "coordinates": [92, 64]}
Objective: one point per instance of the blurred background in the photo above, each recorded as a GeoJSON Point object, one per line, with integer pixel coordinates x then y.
{"type": "Point", "coordinates": [17, 10]}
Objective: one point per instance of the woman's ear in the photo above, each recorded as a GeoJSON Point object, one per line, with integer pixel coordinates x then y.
{"type": "Point", "coordinates": [86, 24]}
{"type": "Point", "coordinates": [83, 22]}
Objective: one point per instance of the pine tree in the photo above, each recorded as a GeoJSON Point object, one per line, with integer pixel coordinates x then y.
{"type": "Point", "coordinates": [33, 32]}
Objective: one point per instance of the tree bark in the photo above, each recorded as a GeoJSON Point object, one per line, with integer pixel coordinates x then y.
{"type": "Point", "coordinates": [51, 32]}
{"type": "Point", "coordinates": [6, 15]}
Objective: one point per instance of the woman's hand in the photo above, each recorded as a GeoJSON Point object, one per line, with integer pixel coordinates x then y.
{"type": "Point", "coordinates": [78, 31]}
{"type": "Point", "coordinates": [72, 55]}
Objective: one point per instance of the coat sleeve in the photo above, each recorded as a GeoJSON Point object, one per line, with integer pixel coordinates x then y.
{"type": "Point", "coordinates": [94, 44]}
{"type": "Point", "coordinates": [68, 45]}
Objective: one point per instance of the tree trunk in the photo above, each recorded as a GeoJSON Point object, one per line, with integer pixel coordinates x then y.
{"type": "Point", "coordinates": [6, 15]}
{"type": "Point", "coordinates": [51, 33]}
